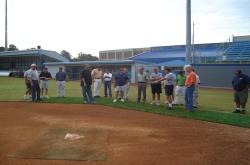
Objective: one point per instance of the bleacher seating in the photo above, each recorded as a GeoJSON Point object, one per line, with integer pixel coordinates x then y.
{"type": "Point", "coordinates": [236, 52]}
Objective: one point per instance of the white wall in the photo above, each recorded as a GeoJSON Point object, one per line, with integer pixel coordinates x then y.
{"type": "Point", "coordinates": [54, 69]}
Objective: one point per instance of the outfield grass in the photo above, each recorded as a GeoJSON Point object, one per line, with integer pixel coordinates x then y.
{"type": "Point", "coordinates": [215, 105]}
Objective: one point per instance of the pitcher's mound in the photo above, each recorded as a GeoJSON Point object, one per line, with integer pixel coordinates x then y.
{"type": "Point", "coordinates": [89, 145]}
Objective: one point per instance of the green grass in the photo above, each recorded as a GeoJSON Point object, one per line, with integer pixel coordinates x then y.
{"type": "Point", "coordinates": [215, 105]}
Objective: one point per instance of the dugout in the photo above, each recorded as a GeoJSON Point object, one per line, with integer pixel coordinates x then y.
{"type": "Point", "coordinates": [16, 62]}
{"type": "Point", "coordinates": [73, 69]}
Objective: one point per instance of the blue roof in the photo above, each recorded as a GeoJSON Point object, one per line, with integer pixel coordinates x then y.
{"type": "Point", "coordinates": [174, 63]}
{"type": "Point", "coordinates": [35, 52]}
{"type": "Point", "coordinates": [177, 52]}
{"type": "Point", "coordinates": [113, 62]}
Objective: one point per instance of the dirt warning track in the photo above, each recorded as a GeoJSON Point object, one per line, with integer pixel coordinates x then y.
{"type": "Point", "coordinates": [33, 134]}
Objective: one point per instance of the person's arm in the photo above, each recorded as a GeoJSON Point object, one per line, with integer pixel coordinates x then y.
{"type": "Point", "coordinates": [160, 78]}
{"type": "Point", "coordinates": [248, 80]}
{"type": "Point", "coordinates": [41, 76]}
{"type": "Point", "coordinates": [198, 80]}
{"type": "Point", "coordinates": [151, 78]}
{"type": "Point", "coordinates": [83, 75]}
{"type": "Point", "coordinates": [176, 80]}
{"type": "Point", "coordinates": [93, 74]}
{"type": "Point", "coordinates": [115, 80]}
{"type": "Point", "coordinates": [29, 78]}
{"type": "Point", "coordinates": [104, 75]}
{"type": "Point", "coordinates": [56, 76]}
{"type": "Point", "coordinates": [66, 76]}
{"type": "Point", "coordinates": [49, 76]}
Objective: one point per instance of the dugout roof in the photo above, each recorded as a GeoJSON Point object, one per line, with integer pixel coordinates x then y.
{"type": "Point", "coordinates": [34, 52]}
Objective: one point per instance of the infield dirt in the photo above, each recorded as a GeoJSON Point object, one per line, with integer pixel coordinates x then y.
{"type": "Point", "coordinates": [32, 134]}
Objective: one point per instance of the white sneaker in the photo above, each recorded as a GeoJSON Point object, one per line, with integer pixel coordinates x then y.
{"type": "Point", "coordinates": [152, 103]}
{"type": "Point", "coordinates": [25, 97]}
{"type": "Point", "coordinates": [157, 103]}
{"type": "Point", "coordinates": [115, 100]}
{"type": "Point", "coordinates": [46, 96]}
{"type": "Point", "coordinates": [122, 100]}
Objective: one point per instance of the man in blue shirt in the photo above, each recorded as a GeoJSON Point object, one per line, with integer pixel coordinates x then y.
{"type": "Point", "coordinates": [61, 77]}
{"type": "Point", "coordinates": [240, 85]}
{"type": "Point", "coordinates": [121, 79]}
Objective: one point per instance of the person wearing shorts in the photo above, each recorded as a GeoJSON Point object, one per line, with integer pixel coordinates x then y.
{"type": "Point", "coordinates": [169, 79]}
{"type": "Point", "coordinates": [240, 85]}
{"type": "Point", "coordinates": [121, 79]}
{"type": "Point", "coordinates": [45, 76]}
{"type": "Point", "coordinates": [156, 86]}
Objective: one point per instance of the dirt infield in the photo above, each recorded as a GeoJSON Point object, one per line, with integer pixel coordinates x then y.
{"type": "Point", "coordinates": [29, 132]}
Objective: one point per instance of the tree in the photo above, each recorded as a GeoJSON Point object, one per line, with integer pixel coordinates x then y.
{"type": "Point", "coordinates": [66, 54]}
{"type": "Point", "coordinates": [12, 47]}
{"type": "Point", "coordinates": [85, 57]}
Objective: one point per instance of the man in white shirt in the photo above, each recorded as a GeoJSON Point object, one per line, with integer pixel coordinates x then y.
{"type": "Point", "coordinates": [107, 79]}
{"type": "Point", "coordinates": [169, 79]}
{"type": "Point", "coordinates": [33, 77]}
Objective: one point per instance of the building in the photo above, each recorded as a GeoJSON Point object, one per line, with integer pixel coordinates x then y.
{"type": "Point", "coordinates": [74, 69]}
{"type": "Point", "coordinates": [120, 54]}
{"type": "Point", "coordinates": [20, 60]}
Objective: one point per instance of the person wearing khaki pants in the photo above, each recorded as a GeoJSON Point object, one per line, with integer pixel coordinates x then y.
{"type": "Point", "coordinates": [142, 79]}
{"type": "Point", "coordinates": [97, 77]}
{"type": "Point", "coordinates": [61, 77]}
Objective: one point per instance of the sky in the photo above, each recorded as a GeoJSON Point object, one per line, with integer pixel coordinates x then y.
{"type": "Point", "coordinates": [92, 25]}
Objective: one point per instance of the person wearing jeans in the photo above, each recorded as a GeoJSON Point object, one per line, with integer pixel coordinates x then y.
{"type": "Point", "coordinates": [190, 87]}
{"type": "Point", "coordinates": [33, 77]}
{"type": "Point", "coordinates": [107, 77]}
{"type": "Point", "coordinates": [86, 82]}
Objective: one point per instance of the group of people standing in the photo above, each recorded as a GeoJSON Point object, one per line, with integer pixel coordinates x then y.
{"type": "Point", "coordinates": [180, 89]}
{"type": "Point", "coordinates": [37, 85]}
{"type": "Point", "coordinates": [185, 85]}
{"type": "Point", "coordinates": [97, 76]}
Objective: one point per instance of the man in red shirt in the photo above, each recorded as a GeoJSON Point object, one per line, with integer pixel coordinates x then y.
{"type": "Point", "coordinates": [190, 87]}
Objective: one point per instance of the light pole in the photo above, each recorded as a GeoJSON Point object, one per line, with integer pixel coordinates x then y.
{"type": "Point", "coordinates": [188, 32]}
{"type": "Point", "coordinates": [6, 25]}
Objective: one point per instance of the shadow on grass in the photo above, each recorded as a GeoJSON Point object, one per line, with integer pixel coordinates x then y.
{"type": "Point", "coordinates": [203, 113]}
